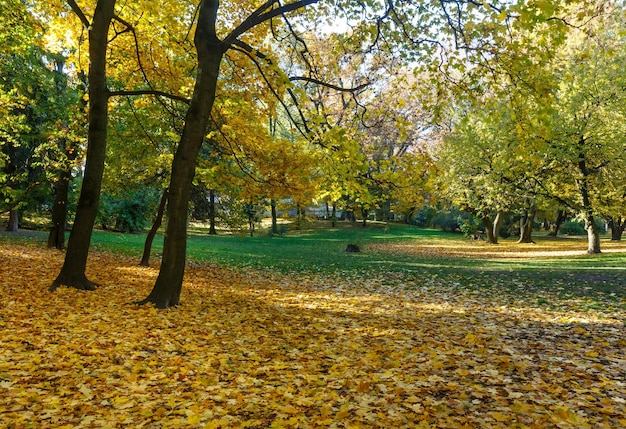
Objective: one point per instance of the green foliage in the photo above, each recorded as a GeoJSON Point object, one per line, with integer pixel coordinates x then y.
{"type": "Point", "coordinates": [130, 212]}
{"type": "Point", "coordinates": [573, 228]}
{"type": "Point", "coordinates": [450, 220]}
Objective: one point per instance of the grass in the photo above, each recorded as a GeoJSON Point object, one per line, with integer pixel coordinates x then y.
{"type": "Point", "coordinates": [412, 256]}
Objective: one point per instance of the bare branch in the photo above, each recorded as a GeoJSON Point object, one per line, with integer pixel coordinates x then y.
{"type": "Point", "coordinates": [149, 92]}
{"type": "Point", "coordinates": [259, 16]}
{"type": "Point", "coordinates": [330, 85]}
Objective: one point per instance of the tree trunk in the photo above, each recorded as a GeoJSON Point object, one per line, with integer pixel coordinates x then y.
{"type": "Point", "coordinates": [147, 247]}
{"type": "Point", "coordinates": [73, 270]}
{"type": "Point", "coordinates": [56, 238]}
{"type": "Point", "coordinates": [593, 237]}
{"type": "Point", "coordinates": [617, 228]}
{"type": "Point", "coordinates": [526, 226]}
{"type": "Point", "coordinates": [364, 213]}
{"type": "Point", "coordinates": [168, 286]}
{"type": "Point", "coordinates": [212, 230]}
{"type": "Point", "coordinates": [333, 216]}
{"type": "Point", "coordinates": [560, 218]}
{"type": "Point", "coordinates": [274, 217]}
{"type": "Point", "coordinates": [496, 226]}
{"type": "Point", "coordinates": [14, 221]}
{"type": "Point", "coordinates": [491, 238]}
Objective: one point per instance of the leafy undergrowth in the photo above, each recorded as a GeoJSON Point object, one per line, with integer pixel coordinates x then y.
{"type": "Point", "coordinates": [261, 350]}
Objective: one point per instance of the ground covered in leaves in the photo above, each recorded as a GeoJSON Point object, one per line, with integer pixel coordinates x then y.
{"type": "Point", "coordinates": [259, 350]}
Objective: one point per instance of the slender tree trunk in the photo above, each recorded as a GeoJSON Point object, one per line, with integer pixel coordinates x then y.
{"type": "Point", "coordinates": [212, 230]}
{"type": "Point", "coordinates": [147, 247]}
{"type": "Point", "coordinates": [333, 216]}
{"type": "Point", "coordinates": [364, 214]}
{"type": "Point", "coordinates": [274, 217]}
{"type": "Point", "coordinates": [560, 218]}
{"type": "Point", "coordinates": [56, 238]}
{"type": "Point", "coordinates": [496, 226]}
{"type": "Point", "coordinates": [73, 270]}
{"type": "Point", "coordinates": [526, 225]}
{"type": "Point", "coordinates": [14, 221]}
{"type": "Point", "coordinates": [168, 286]}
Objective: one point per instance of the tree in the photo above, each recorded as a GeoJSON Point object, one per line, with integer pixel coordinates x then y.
{"type": "Point", "coordinates": [73, 270]}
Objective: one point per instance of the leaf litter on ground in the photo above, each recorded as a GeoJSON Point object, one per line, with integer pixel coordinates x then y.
{"type": "Point", "coordinates": [260, 349]}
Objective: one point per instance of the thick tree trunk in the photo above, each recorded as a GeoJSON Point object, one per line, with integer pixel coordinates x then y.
{"type": "Point", "coordinates": [14, 221]}
{"type": "Point", "coordinates": [491, 238]}
{"type": "Point", "coordinates": [593, 236]}
{"type": "Point", "coordinates": [168, 286]}
{"type": "Point", "coordinates": [526, 226]}
{"type": "Point", "coordinates": [274, 217]}
{"type": "Point", "coordinates": [147, 247]}
{"type": "Point", "coordinates": [73, 270]}
{"type": "Point", "coordinates": [212, 230]}
{"type": "Point", "coordinates": [617, 228]}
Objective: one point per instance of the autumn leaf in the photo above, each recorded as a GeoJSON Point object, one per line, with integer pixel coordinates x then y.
{"type": "Point", "coordinates": [260, 349]}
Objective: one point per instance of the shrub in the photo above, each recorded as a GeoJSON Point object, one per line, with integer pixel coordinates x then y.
{"type": "Point", "coordinates": [573, 228]}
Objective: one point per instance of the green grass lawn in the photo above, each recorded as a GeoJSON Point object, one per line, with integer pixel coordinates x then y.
{"type": "Point", "coordinates": [406, 255]}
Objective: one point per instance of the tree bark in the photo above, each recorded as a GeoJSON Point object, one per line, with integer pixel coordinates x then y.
{"type": "Point", "coordinates": [168, 286]}
{"type": "Point", "coordinates": [56, 238]}
{"type": "Point", "coordinates": [212, 230]}
{"type": "Point", "coordinates": [147, 247]}
{"type": "Point", "coordinates": [526, 225]}
{"type": "Point", "coordinates": [73, 271]}
{"type": "Point", "coordinates": [617, 225]}
{"type": "Point", "coordinates": [333, 216]}
{"type": "Point", "coordinates": [593, 236]}
{"type": "Point", "coordinates": [274, 217]}
{"type": "Point", "coordinates": [14, 221]}
{"type": "Point", "coordinates": [560, 218]}
{"type": "Point", "coordinates": [496, 226]}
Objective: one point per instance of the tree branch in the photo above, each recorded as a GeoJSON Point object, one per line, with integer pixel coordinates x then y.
{"type": "Point", "coordinates": [149, 92]}
{"type": "Point", "coordinates": [330, 85]}
{"type": "Point", "coordinates": [259, 16]}
{"type": "Point", "coordinates": [79, 13]}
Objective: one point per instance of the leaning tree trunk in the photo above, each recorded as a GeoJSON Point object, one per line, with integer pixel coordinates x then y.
{"type": "Point", "coordinates": [73, 270]}
{"type": "Point", "coordinates": [496, 226]}
{"type": "Point", "coordinates": [491, 238]}
{"type": "Point", "coordinates": [168, 286]}
{"type": "Point", "coordinates": [147, 247]}
{"type": "Point", "coordinates": [560, 218]}
{"type": "Point", "coordinates": [14, 221]}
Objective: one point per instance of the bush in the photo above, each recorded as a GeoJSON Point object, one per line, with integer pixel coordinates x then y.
{"type": "Point", "coordinates": [451, 220]}
{"type": "Point", "coordinates": [573, 228]}
{"type": "Point", "coordinates": [129, 213]}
